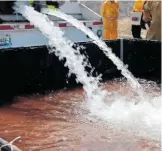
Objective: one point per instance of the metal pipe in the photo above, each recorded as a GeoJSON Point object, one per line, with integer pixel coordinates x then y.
{"type": "Point", "coordinates": [7, 147]}
{"type": "Point", "coordinates": [121, 49]}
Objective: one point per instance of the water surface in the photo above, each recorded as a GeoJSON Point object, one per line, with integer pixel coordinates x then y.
{"type": "Point", "coordinates": [60, 121]}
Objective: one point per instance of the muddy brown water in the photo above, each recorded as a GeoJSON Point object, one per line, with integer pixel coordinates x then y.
{"type": "Point", "coordinates": [58, 121]}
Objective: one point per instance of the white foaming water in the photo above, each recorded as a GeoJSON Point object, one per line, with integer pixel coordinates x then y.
{"type": "Point", "coordinates": [141, 119]}
{"type": "Point", "coordinates": [108, 52]}
{"type": "Point", "coordinates": [63, 49]}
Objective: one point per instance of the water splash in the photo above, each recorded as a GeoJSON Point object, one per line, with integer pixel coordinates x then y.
{"type": "Point", "coordinates": [63, 49]}
{"type": "Point", "coordinates": [143, 119]}
{"type": "Point", "coordinates": [108, 52]}
{"type": "Point", "coordinates": [122, 114]}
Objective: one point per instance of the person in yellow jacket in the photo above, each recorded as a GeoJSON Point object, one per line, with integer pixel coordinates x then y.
{"type": "Point", "coordinates": [136, 29]}
{"type": "Point", "coordinates": [31, 2]}
{"type": "Point", "coordinates": [35, 4]}
{"type": "Point", "coordinates": [110, 14]}
{"type": "Point", "coordinates": [52, 4]}
{"type": "Point", "coordinates": [138, 5]}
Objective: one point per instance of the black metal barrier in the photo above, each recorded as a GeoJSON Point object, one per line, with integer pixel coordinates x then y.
{"type": "Point", "coordinates": [34, 70]}
{"type": "Point", "coordinates": [143, 58]}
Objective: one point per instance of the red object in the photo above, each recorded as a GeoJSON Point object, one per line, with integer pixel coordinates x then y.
{"type": "Point", "coordinates": [97, 23]}
{"type": "Point", "coordinates": [29, 26]}
{"type": "Point", "coordinates": [134, 19]}
{"type": "Point", "coordinates": [6, 27]}
{"type": "Point", "coordinates": [62, 25]}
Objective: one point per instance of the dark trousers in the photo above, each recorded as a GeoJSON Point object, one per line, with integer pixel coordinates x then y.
{"type": "Point", "coordinates": [37, 6]}
{"type": "Point", "coordinates": [136, 29]}
{"type": "Point", "coordinates": [53, 3]}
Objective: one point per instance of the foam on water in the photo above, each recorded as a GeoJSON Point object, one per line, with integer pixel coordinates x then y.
{"type": "Point", "coordinates": [108, 52]}
{"type": "Point", "coordinates": [142, 119]}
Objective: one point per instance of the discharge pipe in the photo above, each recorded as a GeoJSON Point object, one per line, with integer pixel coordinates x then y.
{"type": "Point", "coordinates": [7, 146]}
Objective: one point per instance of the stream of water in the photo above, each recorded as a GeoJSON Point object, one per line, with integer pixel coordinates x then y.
{"type": "Point", "coordinates": [142, 119]}
{"type": "Point", "coordinates": [62, 47]}
{"type": "Point", "coordinates": [108, 52]}
{"type": "Point", "coordinates": [60, 121]}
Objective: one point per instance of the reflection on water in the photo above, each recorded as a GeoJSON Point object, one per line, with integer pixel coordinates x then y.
{"type": "Point", "coordinates": [59, 121]}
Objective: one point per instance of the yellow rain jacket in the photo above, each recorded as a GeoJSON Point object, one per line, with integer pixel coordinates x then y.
{"type": "Point", "coordinates": [52, 7]}
{"type": "Point", "coordinates": [110, 14]}
{"type": "Point", "coordinates": [138, 5]}
{"type": "Point", "coordinates": [31, 2]}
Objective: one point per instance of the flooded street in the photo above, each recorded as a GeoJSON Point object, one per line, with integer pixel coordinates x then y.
{"type": "Point", "coordinates": [59, 121]}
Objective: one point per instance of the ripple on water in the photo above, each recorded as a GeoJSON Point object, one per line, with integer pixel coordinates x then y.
{"type": "Point", "coordinates": [60, 121]}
